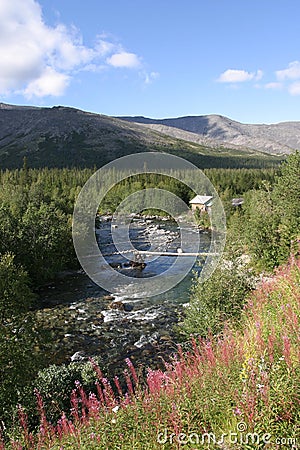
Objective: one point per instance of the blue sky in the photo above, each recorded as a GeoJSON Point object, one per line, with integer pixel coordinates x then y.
{"type": "Point", "coordinates": [158, 58]}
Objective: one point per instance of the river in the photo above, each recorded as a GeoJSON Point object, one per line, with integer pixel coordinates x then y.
{"type": "Point", "coordinates": [84, 320]}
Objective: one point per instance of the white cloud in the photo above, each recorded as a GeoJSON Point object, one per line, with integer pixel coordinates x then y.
{"type": "Point", "coordinates": [273, 85]}
{"type": "Point", "coordinates": [149, 77]}
{"type": "Point", "coordinates": [239, 76]}
{"type": "Point", "coordinates": [124, 59]}
{"type": "Point", "coordinates": [294, 88]}
{"type": "Point", "coordinates": [104, 47]}
{"type": "Point", "coordinates": [35, 58]}
{"type": "Point", "coordinates": [291, 73]}
{"type": "Point", "coordinates": [49, 83]}
{"type": "Point", "coordinates": [259, 75]}
{"type": "Point", "coordinates": [287, 80]}
{"type": "Point", "coordinates": [39, 60]}
{"type": "Point", "coordinates": [66, 50]}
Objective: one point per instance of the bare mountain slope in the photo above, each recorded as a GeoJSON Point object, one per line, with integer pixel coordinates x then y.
{"type": "Point", "coordinates": [64, 137]}
{"type": "Point", "coordinates": [214, 130]}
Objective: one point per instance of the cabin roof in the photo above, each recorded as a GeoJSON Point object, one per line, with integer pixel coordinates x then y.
{"type": "Point", "coordinates": [201, 199]}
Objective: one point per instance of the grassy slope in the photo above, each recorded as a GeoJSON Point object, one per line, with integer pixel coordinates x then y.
{"type": "Point", "coordinates": [247, 379]}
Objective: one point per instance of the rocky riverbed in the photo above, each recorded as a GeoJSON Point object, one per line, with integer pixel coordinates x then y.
{"type": "Point", "coordinates": [84, 320]}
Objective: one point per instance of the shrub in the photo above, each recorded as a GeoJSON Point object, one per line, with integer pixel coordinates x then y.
{"type": "Point", "coordinates": [19, 336]}
{"type": "Point", "coordinates": [217, 300]}
{"type": "Point", "coordinates": [56, 382]}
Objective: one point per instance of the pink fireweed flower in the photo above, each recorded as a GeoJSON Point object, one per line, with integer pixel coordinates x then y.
{"type": "Point", "coordinates": [237, 411]}
{"type": "Point", "coordinates": [287, 349]}
{"type": "Point", "coordinates": [132, 371]}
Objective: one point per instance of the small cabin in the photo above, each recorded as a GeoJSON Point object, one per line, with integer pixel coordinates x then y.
{"type": "Point", "coordinates": [202, 202]}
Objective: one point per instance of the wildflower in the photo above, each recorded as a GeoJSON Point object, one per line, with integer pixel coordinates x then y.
{"type": "Point", "coordinates": [115, 409]}
{"type": "Point", "coordinates": [132, 371]}
{"type": "Point", "coordinates": [237, 411]}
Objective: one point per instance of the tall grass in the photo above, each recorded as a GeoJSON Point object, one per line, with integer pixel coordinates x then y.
{"type": "Point", "coordinates": [243, 384]}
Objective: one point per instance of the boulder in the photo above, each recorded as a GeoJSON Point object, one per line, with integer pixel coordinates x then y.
{"type": "Point", "coordinates": [108, 297]}
{"type": "Point", "coordinates": [116, 305]}
{"type": "Point", "coordinates": [116, 265]}
{"type": "Point", "coordinates": [78, 357]}
{"type": "Point", "coordinates": [128, 307]}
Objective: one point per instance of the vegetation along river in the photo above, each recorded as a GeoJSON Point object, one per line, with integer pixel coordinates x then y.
{"type": "Point", "coordinates": [84, 320]}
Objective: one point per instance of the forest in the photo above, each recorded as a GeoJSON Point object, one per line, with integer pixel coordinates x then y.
{"type": "Point", "coordinates": [36, 207]}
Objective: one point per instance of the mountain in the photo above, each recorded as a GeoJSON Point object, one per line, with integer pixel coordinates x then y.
{"type": "Point", "coordinates": [214, 130]}
{"type": "Point", "coordinates": [65, 137]}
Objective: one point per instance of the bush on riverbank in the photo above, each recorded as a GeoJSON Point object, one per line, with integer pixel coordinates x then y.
{"type": "Point", "coordinates": [247, 381]}
{"type": "Point", "coordinates": [217, 300]}
{"type": "Point", "coordinates": [20, 337]}
{"type": "Point", "coordinates": [269, 222]}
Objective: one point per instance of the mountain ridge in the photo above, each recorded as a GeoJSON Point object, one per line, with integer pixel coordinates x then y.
{"type": "Point", "coordinates": [280, 138]}
{"type": "Point", "coordinates": [62, 136]}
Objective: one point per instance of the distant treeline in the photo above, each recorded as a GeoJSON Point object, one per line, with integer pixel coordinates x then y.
{"type": "Point", "coordinates": [228, 183]}
{"type": "Point", "coordinates": [76, 151]}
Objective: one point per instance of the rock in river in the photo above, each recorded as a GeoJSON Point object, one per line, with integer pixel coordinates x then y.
{"type": "Point", "coordinates": [78, 357]}
{"type": "Point", "coordinates": [116, 305]}
{"type": "Point", "coordinates": [127, 307]}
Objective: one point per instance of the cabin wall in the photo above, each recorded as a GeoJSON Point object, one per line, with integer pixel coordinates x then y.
{"type": "Point", "coordinates": [199, 206]}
